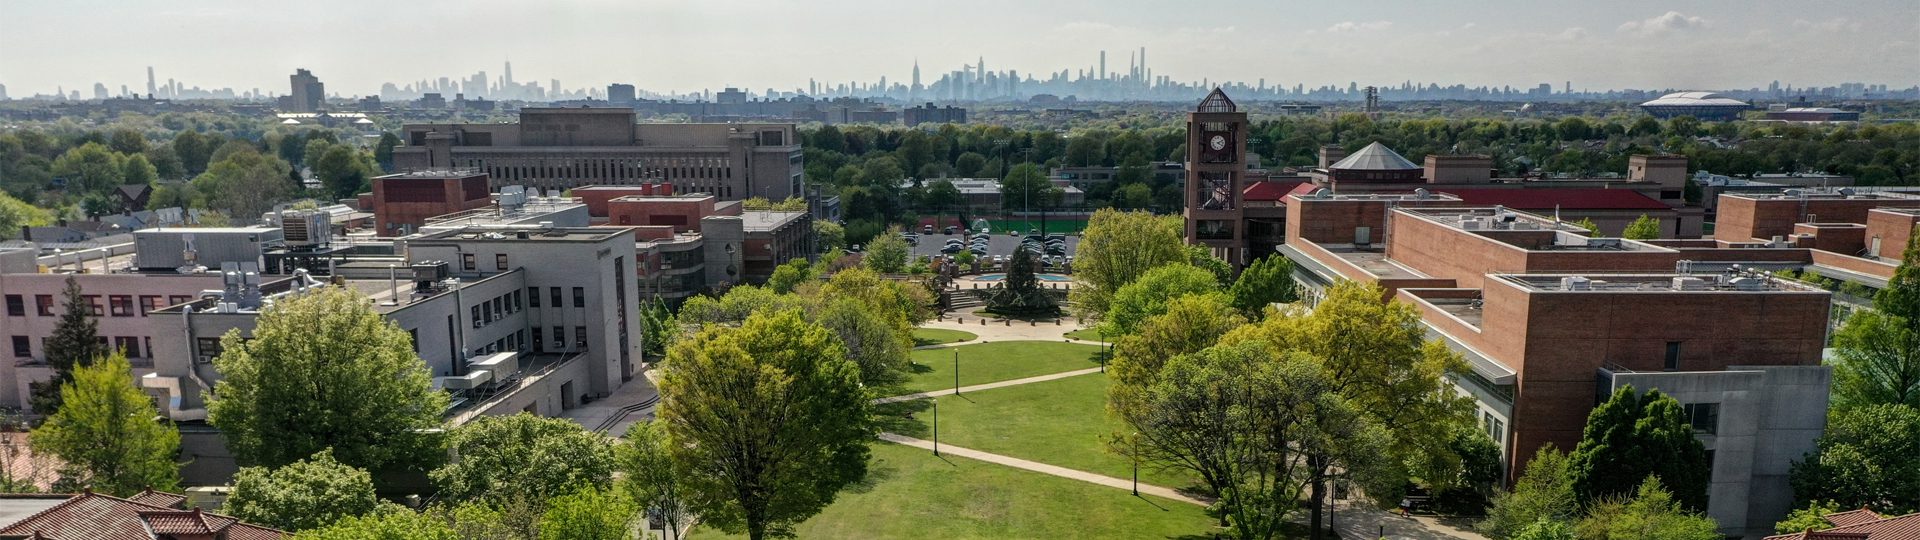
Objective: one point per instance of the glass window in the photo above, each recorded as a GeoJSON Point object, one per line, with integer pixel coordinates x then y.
{"type": "Point", "coordinates": [537, 344]}
{"type": "Point", "coordinates": [22, 347]}
{"type": "Point", "coordinates": [556, 297]}
{"type": "Point", "coordinates": [1705, 417]}
{"type": "Point", "coordinates": [94, 307]}
{"type": "Point", "coordinates": [131, 345]}
{"type": "Point", "coordinates": [150, 303]}
{"type": "Point", "coordinates": [177, 300]}
{"type": "Point", "coordinates": [121, 304]}
{"type": "Point", "coordinates": [579, 297]}
{"type": "Point", "coordinates": [559, 337]}
{"type": "Point", "coordinates": [1673, 356]}
{"type": "Point", "coordinates": [533, 297]}
{"type": "Point", "coordinates": [466, 261]}
{"type": "Point", "coordinates": [16, 305]}
{"type": "Point", "coordinates": [473, 314]}
{"type": "Point", "coordinates": [580, 337]}
{"type": "Point", "coordinates": [43, 303]}
{"type": "Point", "coordinates": [206, 349]}
{"type": "Point", "coordinates": [500, 262]}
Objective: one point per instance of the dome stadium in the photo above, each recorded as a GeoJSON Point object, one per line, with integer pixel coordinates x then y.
{"type": "Point", "coordinates": [1701, 105]}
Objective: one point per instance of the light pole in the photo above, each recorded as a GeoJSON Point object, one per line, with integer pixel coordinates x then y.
{"type": "Point", "coordinates": [1135, 453]}
{"type": "Point", "coordinates": [936, 426]}
{"type": "Point", "coordinates": [956, 372]}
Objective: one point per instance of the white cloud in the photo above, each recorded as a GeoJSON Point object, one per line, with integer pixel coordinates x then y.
{"type": "Point", "coordinates": [1672, 21]}
{"type": "Point", "coordinates": [1837, 24]}
{"type": "Point", "coordinates": [1571, 34]}
{"type": "Point", "coordinates": [1350, 26]}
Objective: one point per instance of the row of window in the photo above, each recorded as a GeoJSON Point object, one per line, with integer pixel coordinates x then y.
{"type": "Point", "coordinates": [468, 263]}
{"type": "Point", "coordinates": [579, 297]}
{"type": "Point", "coordinates": [118, 305]}
{"type": "Point", "coordinates": [132, 345]}
{"type": "Point", "coordinates": [560, 338]}
{"type": "Point", "coordinates": [497, 309]}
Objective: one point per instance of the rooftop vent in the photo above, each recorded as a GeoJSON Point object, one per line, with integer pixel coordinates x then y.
{"type": "Point", "coordinates": [1691, 284]}
{"type": "Point", "coordinates": [428, 274]}
{"type": "Point", "coordinates": [1576, 283]}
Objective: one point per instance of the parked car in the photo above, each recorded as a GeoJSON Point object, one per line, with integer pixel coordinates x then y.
{"type": "Point", "coordinates": [951, 248]}
{"type": "Point", "coordinates": [926, 229]}
{"type": "Point", "coordinates": [949, 230]}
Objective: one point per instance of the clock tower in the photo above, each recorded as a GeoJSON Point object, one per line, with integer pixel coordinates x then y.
{"type": "Point", "coordinates": [1216, 177]}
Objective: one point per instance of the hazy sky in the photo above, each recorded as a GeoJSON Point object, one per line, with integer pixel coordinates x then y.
{"type": "Point", "coordinates": [354, 45]}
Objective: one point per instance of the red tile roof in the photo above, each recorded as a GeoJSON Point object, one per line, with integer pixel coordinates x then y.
{"type": "Point", "coordinates": [1564, 198]}
{"type": "Point", "coordinates": [1272, 190]}
{"type": "Point", "coordinates": [92, 516]}
{"type": "Point", "coordinates": [159, 498]}
{"type": "Point", "coordinates": [1905, 527]}
{"type": "Point", "coordinates": [1851, 517]}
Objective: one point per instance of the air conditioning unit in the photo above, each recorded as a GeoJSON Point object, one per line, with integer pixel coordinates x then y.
{"type": "Point", "coordinates": [1749, 284]}
{"type": "Point", "coordinates": [306, 228]}
{"type": "Point", "coordinates": [470, 381]}
{"type": "Point", "coordinates": [1525, 226]}
{"type": "Point", "coordinates": [1691, 284]}
{"type": "Point", "coordinates": [1576, 283]}
{"type": "Point", "coordinates": [1472, 224]}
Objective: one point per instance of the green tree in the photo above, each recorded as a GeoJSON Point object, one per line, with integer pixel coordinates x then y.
{"type": "Point", "coordinates": [1878, 350]}
{"type": "Point", "coordinates": [1266, 282]}
{"type": "Point", "coordinates": [769, 421]}
{"type": "Point", "coordinates": [244, 183]}
{"type": "Point", "coordinates": [589, 514]}
{"type": "Point", "coordinates": [1189, 324]}
{"type": "Point", "coordinates": [15, 213]}
{"type": "Point", "coordinates": [194, 149]}
{"type": "Point", "coordinates": [790, 275]}
{"type": "Point", "coordinates": [325, 370]}
{"type": "Point", "coordinates": [1253, 423]}
{"type": "Point", "coordinates": [1116, 248]}
{"type": "Point", "coordinates": [1546, 530]}
{"type": "Point", "coordinates": [1588, 224]}
{"type": "Point", "coordinates": [1202, 257]}
{"type": "Point", "coordinates": [943, 196]}
{"type": "Point", "coordinates": [89, 168]}
{"type": "Point", "coordinates": [1868, 458]}
{"type": "Point", "coordinates": [107, 434]}
{"type": "Point", "coordinates": [341, 171]}
{"type": "Point", "coordinates": [1651, 514]}
{"type": "Point", "coordinates": [650, 476]}
{"type": "Point", "coordinates": [1148, 296]}
{"type": "Point", "coordinates": [391, 522]}
{"type": "Point", "coordinates": [873, 342]}
{"type": "Point", "coordinates": [306, 494]}
{"type": "Point", "coordinates": [1812, 517]}
{"type": "Point", "coordinates": [1633, 436]}
{"type": "Point", "coordinates": [970, 165]}
{"type": "Point", "coordinates": [127, 141]}
{"type": "Point", "coordinates": [383, 150]}
{"type": "Point", "coordinates": [1381, 361]}
{"type": "Point", "coordinates": [75, 343]}
{"type": "Point", "coordinates": [1645, 228]}
{"type": "Point", "coordinates": [137, 170]}
{"type": "Point", "coordinates": [1026, 187]}
{"type": "Point", "coordinates": [1544, 492]}
{"type": "Point", "coordinates": [887, 253]}
{"type": "Point", "coordinates": [1020, 294]}
{"type": "Point", "coordinates": [500, 458]}
{"type": "Point", "coordinates": [829, 235]}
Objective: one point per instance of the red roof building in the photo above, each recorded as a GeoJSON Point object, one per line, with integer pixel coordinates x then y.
{"type": "Point", "coordinates": [1861, 525]}
{"type": "Point", "coordinates": [147, 516]}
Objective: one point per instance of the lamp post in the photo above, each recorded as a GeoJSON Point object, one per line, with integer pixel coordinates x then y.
{"type": "Point", "coordinates": [1135, 453]}
{"type": "Point", "coordinates": [956, 372]}
{"type": "Point", "coordinates": [936, 426]}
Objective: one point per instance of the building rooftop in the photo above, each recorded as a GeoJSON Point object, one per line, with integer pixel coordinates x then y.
{"type": "Point", "coordinates": [767, 220]}
{"type": "Point", "coordinates": [1563, 198]}
{"type": "Point", "coordinates": [1694, 99]}
{"type": "Point", "coordinates": [1372, 260]}
{"type": "Point", "coordinates": [1375, 157]}
{"type": "Point", "coordinates": [436, 174]}
{"type": "Point", "coordinates": [519, 233]}
{"type": "Point", "coordinates": [1658, 283]}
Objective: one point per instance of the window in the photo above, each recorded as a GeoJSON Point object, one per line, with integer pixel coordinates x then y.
{"type": "Point", "coordinates": [514, 305]}
{"type": "Point", "coordinates": [1704, 417]}
{"type": "Point", "coordinates": [579, 297]}
{"type": "Point", "coordinates": [473, 314]}
{"type": "Point", "coordinates": [22, 347]}
{"type": "Point", "coordinates": [555, 297]}
{"type": "Point", "coordinates": [413, 336]}
{"type": "Point", "coordinates": [179, 299]}
{"type": "Point", "coordinates": [206, 349]}
{"type": "Point", "coordinates": [559, 337]}
{"type": "Point", "coordinates": [122, 305]}
{"type": "Point", "coordinates": [44, 304]}
{"type": "Point", "coordinates": [533, 297]}
{"type": "Point", "coordinates": [538, 345]}
{"type": "Point", "coordinates": [466, 261]}
{"type": "Point", "coordinates": [93, 305]}
{"type": "Point", "coordinates": [1673, 356]}
{"type": "Point", "coordinates": [520, 338]}
{"type": "Point", "coordinates": [580, 337]}
{"type": "Point", "coordinates": [499, 307]}
{"type": "Point", "coordinates": [16, 305]}
{"type": "Point", "coordinates": [129, 344]}
{"type": "Point", "coordinates": [500, 261]}
{"type": "Point", "coordinates": [150, 304]}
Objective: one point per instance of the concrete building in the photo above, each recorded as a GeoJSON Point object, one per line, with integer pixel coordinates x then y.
{"type": "Point", "coordinates": [1550, 317]}
{"type": "Point", "coordinates": [735, 245]}
{"type": "Point", "coordinates": [402, 202]}
{"type": "Point", "coordinates": [308, 95]}
{"type": "Point", "coordinates": [555, 148]}
{"type": "Point", "coordinates": [926, 114]}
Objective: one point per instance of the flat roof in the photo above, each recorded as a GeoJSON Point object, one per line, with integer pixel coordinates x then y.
{"type": "Point", "coordinates": [1374, 261]}
{"type": "Point", "coordinates": [440, 174]}
{"type": "Point", "coordinates": [767, 220]}
{"type": "Point", "coordinates": [1657, 283]}
{"type": "Point", "coordinates": [511, 233]}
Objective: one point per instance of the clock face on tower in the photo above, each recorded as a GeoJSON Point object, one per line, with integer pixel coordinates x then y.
{"type": "Point", "coordinates": [1219, 142]}
{"type": "Point", "coordinates": [1217, 145]}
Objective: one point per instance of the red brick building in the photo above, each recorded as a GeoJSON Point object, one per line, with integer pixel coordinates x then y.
{"type": "Point", "coordinates": [403, 202]}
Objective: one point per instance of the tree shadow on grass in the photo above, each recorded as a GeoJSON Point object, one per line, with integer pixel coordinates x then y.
{"type": "Point", "coordinates": [876, 474]}
{"type": "Point", "coordinates": [920, 368]}
{"type": "Point", "coordinates": [910, 418]}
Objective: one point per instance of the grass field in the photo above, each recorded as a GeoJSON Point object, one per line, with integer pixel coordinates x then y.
{"type": "Point", "coordinates": [1067, 226]}
{"type": "Point", "coordinates": [1062, 422]}
{"type": "Point", "coordinates": [935, 336]}
{"type": "Point", "coordinates": [1089, 334]}
{"type": "Point", "coordinates": [998, 361]}
{"type": "Point", "coordinates": [912, 494]}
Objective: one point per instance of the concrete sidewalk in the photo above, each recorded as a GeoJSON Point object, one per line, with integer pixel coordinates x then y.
{"type": "Point", "coordinates": [987, 386]}
{"type": "Point", "coordinates": [1063, 472]}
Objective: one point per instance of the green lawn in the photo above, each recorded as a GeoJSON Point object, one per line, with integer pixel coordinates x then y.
{"type": "Point", "coordinates": [998, 361]}
{"type": "Point", "coordinates": [935, 336]}
{"type": "Point", "coordinates": [1064, 226]}
{"type": "Point", "coordinates": [913, 494]}
{"type": "Point", "coordinates": [1061, 422]}
{"type": "Point", "coordinates": [1089, 334]}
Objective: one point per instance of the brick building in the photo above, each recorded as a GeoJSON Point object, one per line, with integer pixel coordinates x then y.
{"type": "Point", "coordinates": [402, 202]}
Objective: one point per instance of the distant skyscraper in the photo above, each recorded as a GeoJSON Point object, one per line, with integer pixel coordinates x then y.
{"type": "Point", "coordinates": [309, 95]}
{"type": "Point", "coordinates": [620, 93]}
{"type": "Point", "coordinates": [508, 76]}
{"type": "Point", "coordinates": [3, 92]}
{"type": "Point", "coordinates": [99, 91]}
{"type": "Point", "coordinates": [150, 86]}
{"type": "Point", "coordinates": [1103, 66]}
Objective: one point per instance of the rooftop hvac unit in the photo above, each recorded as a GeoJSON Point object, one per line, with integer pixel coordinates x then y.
{"type": "Point", "coordinates": [1576, 283]}
{"type": "Point", "coordinates": [471, 380]}
{"type": "Point", "coordinates": [1525, 226]}
{"type": "Point", "coordinates": [1691, 284]}
{"type": "Point", "coordinates": [427, 273]}
{"type": "Point", "coordinates": [1749, 284]}
{"type": "Point", "coordinates": [500, 364]}
{"type": "Point", "coordinates": [1362, 236]}
{"type": "Point", "coordinates": [1472, 224]}
{"type": "Point", "coordinates": [306, 228]}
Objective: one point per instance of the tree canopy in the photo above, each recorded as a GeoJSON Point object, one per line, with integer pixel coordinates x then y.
{"type": "Point", "coordinates": [1633, 436]}
{"type": "Point", "coordinates": [1117, 248]}
{"type": "Point", "coordinates": [522, 456]}
{"type": "Point", "coordinates": [75, 343]}
{"type": "Point", "coordinates": [1265, 282]}
{"type": "Point", "coordinates": [1544, 492]}
{"type": "Point", "coordinates": [1868, 458]}
{"type": "Point", "coordinates": [1148, 296]}
{"type": "Point", "coordinates": [1644, 228]}
{"type": "Point", "coordinates": [323, 370]}
{"type": "Point", "coordinates": [107, 434]}
{"type": "Point", "coordinates": [1878, 350]}
{"type": "Point", "coordinates": [306, 494]}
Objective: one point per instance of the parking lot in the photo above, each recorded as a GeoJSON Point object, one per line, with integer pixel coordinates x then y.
{"type": "Point", "coordinates": [1000, 244]}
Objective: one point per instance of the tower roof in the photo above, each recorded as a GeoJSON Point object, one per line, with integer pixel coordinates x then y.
{"type": "Point", "coordinates": [1216, 101]}
{"type": "Point", "coordinates": [1375, 157]}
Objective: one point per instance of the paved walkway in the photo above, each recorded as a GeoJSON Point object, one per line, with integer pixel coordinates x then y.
{"type": "Point", "coordinates": [987, 386]}
{"type": "Point", "coordinates": [633, 402]}
{"type": "Point", "coordinates": [1360, 520]}
{"type": "Point", "coordinates": [999, 330]}
{"type": "Point", "coordinates": [1063, 472]}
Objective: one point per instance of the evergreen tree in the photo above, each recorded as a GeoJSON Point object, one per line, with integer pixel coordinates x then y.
{"type": "Point", "coordinates": [1021, 294]}
{"type": "Point", "coordinates": [75, 343]}
{"type": "Point", "coordinates": [1633, 436]}
{"type": "Point", "coordinates": [1878, 350]}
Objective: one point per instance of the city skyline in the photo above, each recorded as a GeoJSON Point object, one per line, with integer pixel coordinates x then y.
{"type": "Point", "coordinates": [684, 48]}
